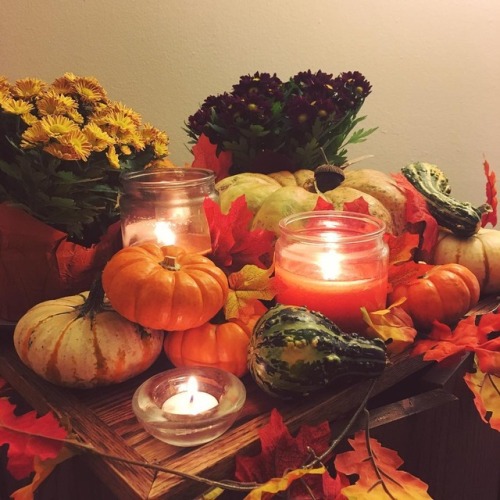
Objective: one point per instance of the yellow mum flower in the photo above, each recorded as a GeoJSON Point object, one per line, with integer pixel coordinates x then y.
{"type": "Point", "coordinates": [15, 106]}
{"type": "Point", "coordinates": [112, 157]}
{"type": "Point", "coordinates": [89, 90]}
{"type": "Point", "coordinates": [53, 103]}
{"type": "Point", "coordinates": [99, 139]}
{"type": "Point", "coordinates": [56, 125]}
{"type": "Point", "coordinates": [28, 88]}
{"type": "Point", "coordinates": [29, 119]}
{"type": "Point", "coordinates": [119, 107]}
{"type": "Point", "coordinates": [36, 134]}
{"type": "Point", "coordinates": [122, 128]}
{"type": "Point", "coordinates": [64, 84]}
{"type": "Point", "coordinates": [72, 146]}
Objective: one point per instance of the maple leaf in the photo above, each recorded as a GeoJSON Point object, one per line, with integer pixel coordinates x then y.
{"type": "Point", "coordinates": [402, 248]}
{"type": "Point", "coordinates": [491, 196]}
{"type": "Point", "coordinates": [486, 390]}
{"type": "Point", "coordinates": [359, 205]}
{"type": "Point", "coordinates": [469, 335]}
{"type": "Point", "coordinates": [378, 471]}
{"type": "Point", "coordinates": [246, 289]}
{"type": "Point", "coordinates": [418, 216]}
{"type": "Point", "coordinates": [281, 453]}
{"type": "Point", "coordinates": [233, 244]}
{"type": "Point", "coordinates": [205, 156]}
{"type": "Point", "coordinates": [28, 437]}
{"type": "Point", "coordinates": [322, 204]}
{"type": "Point", "coordinates": [42, 469]}
{"type": "Point", "coordinates": [393, 325]}
{"type": "Point", "coordinates": [406, 272]}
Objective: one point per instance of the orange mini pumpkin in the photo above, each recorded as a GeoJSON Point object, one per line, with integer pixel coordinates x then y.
{"type": "Point", "coordinates": [222, 345]}
{"type": "Point", "coordinates": [164, 287]}
{"type": "Point", "coordinates": [444, 293]}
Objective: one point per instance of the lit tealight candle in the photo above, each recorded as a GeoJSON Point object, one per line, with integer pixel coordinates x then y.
{"type": "Point", "coordinates": [191, 401]}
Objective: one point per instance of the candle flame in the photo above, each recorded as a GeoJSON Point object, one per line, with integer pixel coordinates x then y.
{"type": "Point", "coordinates": [164, 234]}
{"type": "Point", "coordinates": [329, 264]}
{"type": "Point", "coordinates": [192, 387]}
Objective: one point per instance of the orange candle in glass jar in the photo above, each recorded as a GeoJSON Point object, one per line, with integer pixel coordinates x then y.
{"type": "Point", "coordinates": [334, 263]}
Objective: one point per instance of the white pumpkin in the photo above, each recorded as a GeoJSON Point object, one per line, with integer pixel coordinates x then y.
{"type": "Point", "coordinates": [480, 253]}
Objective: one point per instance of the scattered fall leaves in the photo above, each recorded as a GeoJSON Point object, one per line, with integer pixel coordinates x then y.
{"type": "Point", "coordinates": [378, 471]}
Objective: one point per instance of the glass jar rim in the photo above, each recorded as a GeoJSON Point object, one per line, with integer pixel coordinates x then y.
{"type": "Point", "coordinates": [334, 219]}
{"type": "Point", "coordinates": [169, 177]}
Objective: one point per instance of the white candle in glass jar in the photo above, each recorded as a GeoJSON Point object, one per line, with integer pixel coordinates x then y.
{"type": "Point", "coordinates": [191, 401]}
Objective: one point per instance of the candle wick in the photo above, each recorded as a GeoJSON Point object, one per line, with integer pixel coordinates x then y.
{"type": "Point", "coordinates": [191, 399]}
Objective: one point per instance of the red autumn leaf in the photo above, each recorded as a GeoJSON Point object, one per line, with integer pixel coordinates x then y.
{"type": "Point", "coordinates": [378, 471]}
{"type": "Point", "coordinates": [233, 244]}
{"type": "Point", "coordinates": [28, 437]}
{"type": "Point", "coordinates": [281, 452]}
{"type": "Point", "coordinates": [491, 196]}
{"type": "Point", "coordinates": [322, 204]}
{"type": "Point", "coordinates": [359, 205]}
{"type": "Point", "coordinates": [418, 215]}
{"type": "Point", "coordinates": [2, 383]}
{"type": "Point", "coordinates": [205, 156]}
{"type": "Point", "coordinates": [486, 390]}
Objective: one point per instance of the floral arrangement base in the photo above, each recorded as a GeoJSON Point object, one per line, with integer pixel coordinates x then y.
{"type": "Point", "coordinates": [38, 263]}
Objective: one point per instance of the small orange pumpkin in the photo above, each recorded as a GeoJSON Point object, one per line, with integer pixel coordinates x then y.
{"type": "Point", "coordinates": [219, 345]}
{"type": "Point", "coordinates": [164, 288]}
{"type": "Point", "coordinates": [444, 293]}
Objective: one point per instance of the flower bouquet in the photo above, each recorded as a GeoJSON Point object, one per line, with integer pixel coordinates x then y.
{"type": "Point", "coordinates": [63, 147]}
{"type": "Point", "coordinates": [265, 124]}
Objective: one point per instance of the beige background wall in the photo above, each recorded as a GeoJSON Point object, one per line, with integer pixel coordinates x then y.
{"type": "Point", "coordinates": [434, 64]}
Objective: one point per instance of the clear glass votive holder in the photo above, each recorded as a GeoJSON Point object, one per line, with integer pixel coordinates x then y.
{"type": "Point", "coordinates": [165, 206]}
{"type": "Point", "coordinates": [154, 406]}
{"type": "Point", "coordinates": [333, 262]}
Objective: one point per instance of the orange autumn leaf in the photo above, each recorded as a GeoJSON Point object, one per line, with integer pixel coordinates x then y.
{"type": "Point", "coordinates": [407, 272]}
{"type": "Point", "coordinates": [393, 325]}
{"type": "Point", "coordinates": [278, 484]}
{"type": "Point", "coordinates": [491, 196]}
{"type": "Point", "coordinates": [486, 390]}
{"type": "Point", "coordinates": [28, 437]}
{"type": "Point", "coordinates": [402, 248]}
{"type": "Point", "coordinates": [379, 476]}
{"type": "Point", "coordinates": [247, 288]}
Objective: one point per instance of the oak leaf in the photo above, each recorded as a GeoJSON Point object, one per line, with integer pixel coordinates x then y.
{"type": "Point", "coordinates": [486, 390]}
{"type": "Point", "coordinates": [402, 248]}
{"type": "Point", "coordinates": [29, 437]}
{"type": "Point", "coordinates": [491, 196]}
{"type": "Point", "coordinates": [282, 453]}
{"type": "Point", "coordinates": [393, 325]}
{"type": "Point", "coordinates": [205, 156]}
{"type": "Point", "coordinates": [246, 289]}
{"type": "Point", "coordinates": [378, 471]}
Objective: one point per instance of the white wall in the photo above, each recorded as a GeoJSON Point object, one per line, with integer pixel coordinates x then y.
{"type": "Point", "coordinates": [434, 64]}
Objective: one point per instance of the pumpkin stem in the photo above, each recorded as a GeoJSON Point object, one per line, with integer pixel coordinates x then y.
{"type": "Point", "coordinates": [95, 299]}
{"type": "Point", "coordinates": [170, 263]}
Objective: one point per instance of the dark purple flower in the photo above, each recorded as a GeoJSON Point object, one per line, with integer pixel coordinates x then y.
{"type": "Point", "coordinates": [351, 89]}
{"type": "Point", "coordinates": [261, 84]}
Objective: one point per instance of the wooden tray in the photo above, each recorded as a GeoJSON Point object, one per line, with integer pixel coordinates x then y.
{"type": "Point", "coordinates": [104, 418]}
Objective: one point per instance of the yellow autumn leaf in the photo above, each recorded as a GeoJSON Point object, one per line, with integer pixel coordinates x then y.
{"type": "Point", "coordinates": [393, 325]}
{"type": "Point", "coordinates": [278, 484]}
{"type": "Point", "coordinates": [486, 390]}
{"type": "Point", "coordinates": [246, 287]}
